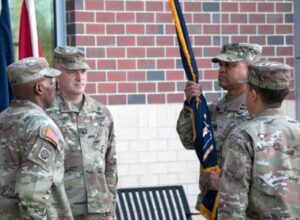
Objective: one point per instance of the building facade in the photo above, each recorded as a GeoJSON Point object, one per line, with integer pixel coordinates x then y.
{"type": "Point", "coordinates": [136, 70]}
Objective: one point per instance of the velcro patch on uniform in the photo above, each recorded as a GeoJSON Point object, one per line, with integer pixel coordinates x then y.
{"type": "Point", "coordinates": [44, 154]}
{"type": "Point", "coordinates": [52, 136]}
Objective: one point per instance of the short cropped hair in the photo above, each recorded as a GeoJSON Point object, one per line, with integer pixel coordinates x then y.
{"type": "Point", "coordinates": [270, 96]}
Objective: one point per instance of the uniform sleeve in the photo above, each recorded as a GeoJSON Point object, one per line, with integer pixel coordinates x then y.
{"type": "Point", "coordinates": [111, 168]}
{"type": "Point", "coordinates": [185, 127]}
{"type": "Point", "coordinates": [236, 177]}
{"type": "Point", "coordinates": [34, 179]}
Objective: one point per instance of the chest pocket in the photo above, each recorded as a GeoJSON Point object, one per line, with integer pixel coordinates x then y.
{"type": "Point", "coordinates": [95, 147]}
{"type": "Point", "coordinates": [67, 123]}
{"type": "Point", "coordinates": [101, 137]}
{"type": "Point", "coordinates": [223, 125]}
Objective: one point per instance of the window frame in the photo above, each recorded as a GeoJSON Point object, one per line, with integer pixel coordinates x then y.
{"type": "Point", "coordinates": [60, 27]}
{"type": "Point", "coordinates": [297, 56]}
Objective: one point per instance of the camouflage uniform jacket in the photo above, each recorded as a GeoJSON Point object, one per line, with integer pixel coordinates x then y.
{"type": "Point", "coordinates": [90, 155]}
{"type": "Point", "coordinates": [260, 177]}
{"type": "Point", "coordinates": [31, 165]}
{"type": "Point", "coordinates": [226, 113]}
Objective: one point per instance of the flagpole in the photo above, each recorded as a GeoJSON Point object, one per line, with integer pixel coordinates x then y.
{"type": "Point", "coordinates": [33, 29]}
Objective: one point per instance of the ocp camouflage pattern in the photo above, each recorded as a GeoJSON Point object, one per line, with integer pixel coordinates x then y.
{"type": "Point", "coordinates": [31, 165]}
{"type": "Point", "coordinates": [90, 156]}
{"type": "Point", "coordinates": [261, 173]}
{"type": "Point", "coordinates": [226, 113]}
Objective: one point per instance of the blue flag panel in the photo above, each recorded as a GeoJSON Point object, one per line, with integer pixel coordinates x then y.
{"type": "Point", "coordinates": [204, 143]}
{"type": "Point", "coordinates": [6, 55]}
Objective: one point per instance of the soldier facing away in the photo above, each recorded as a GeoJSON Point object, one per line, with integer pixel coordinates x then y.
{"type": "Point", "coordinates": [90, 158]}
{"type": "Point", "coordinates": [227, 112]}
{"type": "Point", "coordinates": [31, 152]}
{"type": "Point", "coordinates": [261, 172]}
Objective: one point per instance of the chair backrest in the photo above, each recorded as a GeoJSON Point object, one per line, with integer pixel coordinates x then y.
{"type": "Point", "coordinates": [152, 203]}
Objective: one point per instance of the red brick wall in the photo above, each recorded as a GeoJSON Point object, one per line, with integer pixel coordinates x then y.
{"type": "Point", "coordinates": [132, 47]}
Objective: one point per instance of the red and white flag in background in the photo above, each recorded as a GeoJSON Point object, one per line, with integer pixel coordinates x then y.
{"type": "Point", "coordinates": [29, 44]}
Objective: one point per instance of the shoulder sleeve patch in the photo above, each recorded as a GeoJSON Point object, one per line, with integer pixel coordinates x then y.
{"type": "Point", "coordinates": [44, 154]}
{"type": "Point", "coordinates": [50, 135]}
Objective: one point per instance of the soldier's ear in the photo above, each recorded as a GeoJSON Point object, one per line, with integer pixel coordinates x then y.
{"type": "Point", "coordinates": [253, 94]}
{"type": "Point", "coordinates": [38, 88]}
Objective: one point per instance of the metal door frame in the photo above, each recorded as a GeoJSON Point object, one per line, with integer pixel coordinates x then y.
{"type": "Point", "coordinates": [297, 56]}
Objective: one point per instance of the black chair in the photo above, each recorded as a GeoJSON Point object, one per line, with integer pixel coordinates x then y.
{"type": "Point", "coordinates": [153, 203]}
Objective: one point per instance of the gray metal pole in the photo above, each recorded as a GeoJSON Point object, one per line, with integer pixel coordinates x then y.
{"type": "Point", "coordinates": [60, 8]}
{"type": "Point", "coordinates": [297, 56]}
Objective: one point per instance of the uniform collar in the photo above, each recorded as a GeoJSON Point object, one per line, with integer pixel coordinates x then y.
{"type": "Point", "coordinates": [25, 103]}
{"type": "Point", "coordinates": [232, 103]}
{"type": "Point", "coordinates": [270, 111]}
{"type": "Point", "coordinates": [66, 106]}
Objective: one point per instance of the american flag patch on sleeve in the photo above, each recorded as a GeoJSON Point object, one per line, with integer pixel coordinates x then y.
{"type": "Point", "coordinates": [52, 136]}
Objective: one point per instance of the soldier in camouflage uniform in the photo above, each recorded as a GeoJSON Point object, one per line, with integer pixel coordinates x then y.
{"type": "Point", "coordinates": [90, 159]}
{"type": "Point", "coordinates": [260, 177]}
{"type": "Point", "coordinates": [31, 152]}
{"type": "Point", "coordinates": [227, 112]}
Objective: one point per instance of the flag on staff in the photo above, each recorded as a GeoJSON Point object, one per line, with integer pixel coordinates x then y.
{"type": "Point", "coordinates": [27, 29]}
{"type": "Point", "coordinates": [204, 142]}
{"type": "Point", "coordinates": [6, 55]}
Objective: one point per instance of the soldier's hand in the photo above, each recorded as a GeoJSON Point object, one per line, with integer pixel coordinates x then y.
{"type": "Point", "coordinates": [212, 180]}
{"type": "Point", "coordinates": [191, 90]}
{"type": "Point", "coordinates": [109, 218]}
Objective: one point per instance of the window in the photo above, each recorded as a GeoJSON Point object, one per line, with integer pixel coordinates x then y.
{"type": "Point", "coordinates": [45, 25]}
